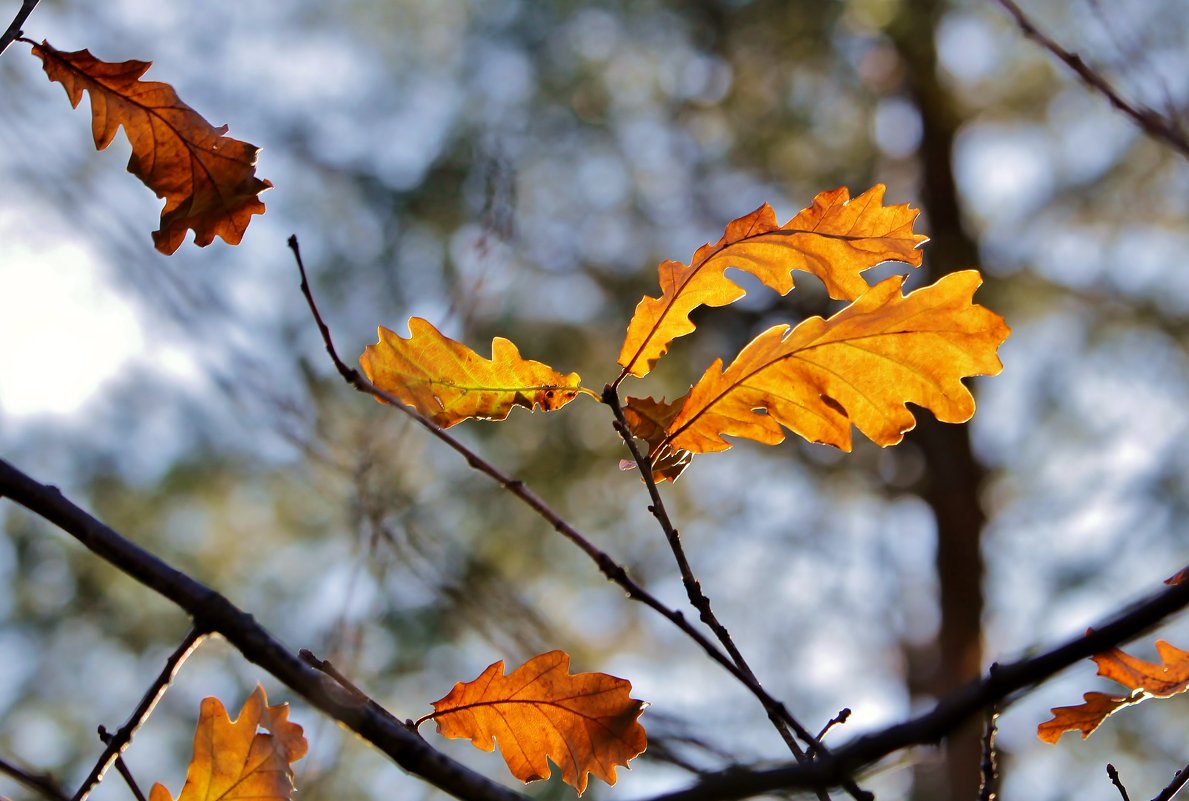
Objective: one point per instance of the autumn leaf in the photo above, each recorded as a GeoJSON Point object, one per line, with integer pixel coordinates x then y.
{"type": "Point", "coordinates": [232, 760]}
{"type": "Point", "coordinates": [860, 367]}
{"type": "Point", "coordinates": [648, 420]}
{"type": "Point", "coordinates": [448, 382]}
{"type": "Point", "coordinates": [836, 239]}
{"type": "Point", "coordinates": [1180, 577]}
{"type": "Point", "coordinates": [584, 722]}
{"type": "Point", "coordinates": [208, 179]}
{"type": "Point", "coordinates": [1145, 679]}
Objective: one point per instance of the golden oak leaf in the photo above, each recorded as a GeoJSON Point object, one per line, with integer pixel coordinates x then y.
{"type": "Point", "coordinates": [585, 722]}
{"type": "Point", "coordinates": [648, 419]}
{"type": "Point", "coordinates": [208, 179]}
{"type": "Point", "coordinates": [448, 382]}
{"type": "Point", "coordinates": [836, 239]}
{"type": "Point", "coordinates": [860, 367]}
{"type": "Point", "coordinates": [1145, 679]}
{"type": "Point", "coordinates": [232, 760]}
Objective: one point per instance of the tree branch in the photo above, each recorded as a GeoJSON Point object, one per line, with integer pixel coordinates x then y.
{"type": "Point", "coordinates": [42, 783]}
{"type": "Point", "coordinates": [14, 28]}
{"type": "Point", "coordinates": [1149, 121]}
{"type": "Point", "coordinates": [212, 612]}
{"type": "Point", "coordinates": [118, 742]}
{"type": "Point", "coordinates": [997, 688]}
{"type": "Point", "coordinates": [1174, 787]}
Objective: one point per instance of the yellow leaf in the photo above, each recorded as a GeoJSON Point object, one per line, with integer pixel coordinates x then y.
{"type": "Point", "coordinates": [585, 722]}
{"type": "Point", "coordinates": [1145, 679]}
{"type": "Point", "coordinates": [859, 367]}
{"type": "Point", "coordinates": [232, 760]}
{"type": "Point", "coordinates": [208, 179]}
{"type": "Point", "coordinates": [448, 382]}
{"type": "Point", "coordinates": [648, 419]}
{"type": "Point", "coordinates": [836, 239]}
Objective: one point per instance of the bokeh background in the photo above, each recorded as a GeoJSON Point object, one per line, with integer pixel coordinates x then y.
{"type": "Point", "coordinates": [520, 168]}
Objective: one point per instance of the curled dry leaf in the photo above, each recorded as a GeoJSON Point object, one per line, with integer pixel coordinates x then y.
{"type": "Point", "coordinates": [836, 239]}
{"type": "Point", "coordinates": [648, 419]}
{"type": "Point", "coordinates": [448, 382]}
{"type": "Point", "coordinates": [1145, 679]}
{"type": "Point", "coordinates": [860, 367]}
{"type": "Point", "coordinates": [233, 761]}
{"type": "Point", "coordinates": [208, 179]}
{"type": "Point", "coordinates": [586, 722]}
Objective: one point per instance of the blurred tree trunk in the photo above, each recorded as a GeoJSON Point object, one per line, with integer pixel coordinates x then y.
{"type": "Point", "coordinates": [954, 475]}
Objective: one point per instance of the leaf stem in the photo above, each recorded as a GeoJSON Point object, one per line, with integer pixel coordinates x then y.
{"type": "Point", "coordinates": [119, 741]}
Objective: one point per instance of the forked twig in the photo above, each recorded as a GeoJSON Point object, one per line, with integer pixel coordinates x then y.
{"type": "Point", "coordinates": [1175, 786]}
{"type": "Point", "coordinates": [122, 767]}
{"type": "Point", "coordinates": [41, 782]}
{"type": "Point", "coordinates": [119, 741]}
{"type": "Point", "coordinates": [1151, 122]}
{"type": "Point", "coordinates": [13, 32]}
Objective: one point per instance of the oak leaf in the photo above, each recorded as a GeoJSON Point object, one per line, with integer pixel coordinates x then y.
{"type": "Point", "coordinates": [232, 760]}
{"type": "Point", "coordinates": [585, 722]}
{"type": "Point", "coordinates": [836, 239]}
{"type": "Point", "coordinates": [448, 382]}
{"type": "Point", "coordinates": [208, 179]}
{"type": "Point", "coordinates": [860, 367]}
{"type": "Point", "coordinates": [1145, 680]}
{"type": "Point", "coordinates": [648, 420]}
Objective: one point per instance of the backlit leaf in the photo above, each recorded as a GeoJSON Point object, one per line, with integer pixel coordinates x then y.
{"type": "Point", "coordinates": [208, 179]}
{"type": "Point", "coordinates": [586, 722]}
{"type": "Point", "coordinates": [860, 367]}
{"type": "Point", "coordinates": [1145, 679]}
{"type": "Point", "coordinates": [448, 382]}
{"type": "Point", "coordinates": [836, 239]}
{"type": "Point", "coordinates": [648, 420]}
{"type": "Point", "coordinates": [233, 761]}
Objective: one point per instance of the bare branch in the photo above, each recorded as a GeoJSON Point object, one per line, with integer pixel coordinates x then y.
{"type": "Point", "coordinates": [122, 767]}
{"type": "Point", "coordinates": [1175, 786]}
{"type": "Point", "coordinates": [41, 782]}
{"type": "Point", "coordinates": [117, 743]}
{"type": "Point", "coordinates": [1113, 775]}
{"type": "Point", "coordinates": [989, 771]}
{"type": "Point", "coordinates": [14, 31]}
{"type": "Point", "coordinates": [1150, 122]}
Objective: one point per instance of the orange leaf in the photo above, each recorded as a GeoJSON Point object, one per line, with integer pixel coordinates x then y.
{"type": "Point", "coordinates": [448, 382]}
{"type": "Point", "coordinates": [234, 761]}
{"type": "Point", "coordinates": [859, 367]}
{"type": "Point", "coordinates": [1180, 577]}
{"type": "Point", "coordinates": [836, 239]}
{"type": "Point", "coordinates": [648, 419]}
{"type": "Point", "coordinates": [585, 722]}
{"type": "Point", "coordinates": [1145, 679]}
{"type": "Point", "coordinates": [208, 179]}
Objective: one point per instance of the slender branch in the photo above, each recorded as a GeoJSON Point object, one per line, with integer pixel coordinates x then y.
{"type": "Point", "coordinates": [41, 782]}
{"type": "Point", "coordinates": [842, 717]}
{"type": "Point", "coordinates": [1113, 775]}
{"type": "Point", "coordinates": [1151, 122]}
{"type": "Point", "coordinates": [1174, 787]}
{"type": "Point", "coordinates": [997, 688]}
{"type": "Point", "coordinates": [119, 741]}
{"type": "Point", "coordinates": [214, 613]}
{"type": "Point", "coordinates": [122, 767]}
{"type": "Point", "coordinates": [14, 28]}
{"type": "Point", "coordinates": [608, 566]}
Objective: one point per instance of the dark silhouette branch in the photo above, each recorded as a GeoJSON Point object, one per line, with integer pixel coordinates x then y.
{"type": "Point", "coordinates": [1175, 786]}
{"type": "Point", "coordinates": [40, 782]}
{"type": "Point", "coordinates": [14, 32]}
{"type": "Point", "coordinates": [998, 688]}
{"type": "Point", "coordinates": [214, 613]}
{"type": "Point", "coordinates": [1113, 775]}
{"type": "Point", "coordinates": [122, 767]}
{"type": "Point", "coordinates": [1151, 122]}
{"type": "Point", "coordinates": [118, 742]}
{"type": "Point", "coordinates": [988, 789]}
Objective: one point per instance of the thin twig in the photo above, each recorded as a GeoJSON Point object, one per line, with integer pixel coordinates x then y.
{"type": "Point", "coordinates": [14, 29]}
{"type": "Point", "coordinates": [988, 786]}
{"type": "Point", "coordinates": [43, 783]}
{"type": "Point", "coordinates": [608, 566]}
{"type": "Point", "coordinates": [842, 717]}
{"type": "Point", "coordinates": [1115, 780]}
{"type": "Point", "coordinates": [1174, 787]}
{"type": "Point", "coordinates": [119, 741]}
{"type": "Point", "coordinates": [1151, 122]}
{"type": "Point", "coordinates": [122, 767]}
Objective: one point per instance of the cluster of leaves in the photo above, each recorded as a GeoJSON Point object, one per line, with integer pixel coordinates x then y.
{"type": "Point", "coordinates": [860, 367]}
